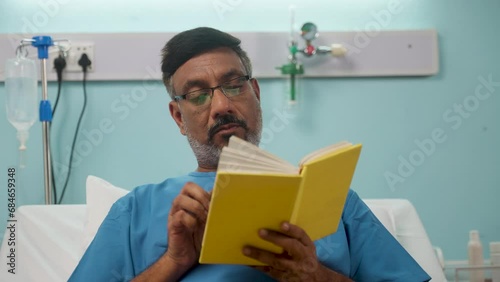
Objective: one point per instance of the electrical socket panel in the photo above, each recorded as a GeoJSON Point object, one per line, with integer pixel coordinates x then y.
{"type": "Point", "coordinates": [74, 54]}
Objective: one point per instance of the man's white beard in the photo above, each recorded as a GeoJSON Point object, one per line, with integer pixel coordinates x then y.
{"type": "Point", "coordinates": [208, 154]}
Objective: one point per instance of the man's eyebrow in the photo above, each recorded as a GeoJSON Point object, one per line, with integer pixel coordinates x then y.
{"type": "Point", "coordinates": [230, 74]}
{"type": "Point", "coordinates": [194, 83]}
{"type": "Point", "coordinates": [203, 84]}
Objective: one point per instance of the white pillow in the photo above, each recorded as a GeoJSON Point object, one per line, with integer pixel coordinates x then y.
{"type": "Point", "coordinates": [101, 195]}
{"type": "Point", "coordinates": [384, 215]}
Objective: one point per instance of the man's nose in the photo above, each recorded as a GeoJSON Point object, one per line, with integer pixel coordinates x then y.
{"type": "Point", "coordinates": [221, 104]}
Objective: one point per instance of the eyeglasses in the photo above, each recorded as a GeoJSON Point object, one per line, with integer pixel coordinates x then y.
{"type": "Point", "coordinates": [230, 88]}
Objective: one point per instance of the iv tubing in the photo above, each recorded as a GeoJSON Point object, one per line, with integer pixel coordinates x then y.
{"type": "Point", "coordinates": [22, 136]}
{"type": "Point", "coordinates": [21, 159]}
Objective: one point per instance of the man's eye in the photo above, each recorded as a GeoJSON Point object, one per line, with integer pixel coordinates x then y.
{"type": "Point", "coordinates": [234, 88]}
{"type": "Point", "coordinates": [232, 91]}
{"type": "Point", "coordinates": [238, 83]}
{"type": "Point", "coordinates": [198, 98]}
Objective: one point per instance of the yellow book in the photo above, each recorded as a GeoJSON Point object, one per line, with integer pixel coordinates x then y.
{"type": "Point", "coordinates": [254, 189]}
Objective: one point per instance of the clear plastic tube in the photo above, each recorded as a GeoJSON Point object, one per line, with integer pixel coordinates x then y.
{"type": "Point", "coordinates": [22, 136]}
{"type": "Point", "coordinates": [22, 160]}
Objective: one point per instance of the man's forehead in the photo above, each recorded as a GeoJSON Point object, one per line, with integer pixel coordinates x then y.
{"type": "Point", "coordinates": [217, 63]}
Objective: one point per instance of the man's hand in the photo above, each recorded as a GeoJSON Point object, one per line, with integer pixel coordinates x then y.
{"type": "Point", "coordinates": [298, 262]}
{"type": "Point", "coordinates": [186, 224]}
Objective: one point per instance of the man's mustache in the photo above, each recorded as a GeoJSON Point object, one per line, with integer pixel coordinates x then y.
{"type": "Point", "coordinates": [223, 120]}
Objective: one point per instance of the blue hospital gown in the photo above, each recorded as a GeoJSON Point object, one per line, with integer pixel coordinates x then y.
{"type": "Point", "coordinates": [134, 235]}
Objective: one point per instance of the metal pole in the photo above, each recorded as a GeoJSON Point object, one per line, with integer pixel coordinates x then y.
{"type": "Point", "coordinates": [43, 43]}
{"type": "Point", "coordinates": [46, 136]}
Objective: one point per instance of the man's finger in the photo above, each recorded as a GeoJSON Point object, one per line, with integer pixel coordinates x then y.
{"type": "Point", "coordinates": [269, 258]}
{"type": "Point", "coordinates": [189, 205]}
{"type": "Point", "coordinates": [292, 246]}
{"type": "Point", "coordinates": [182, 221]}
{"type": "Point", "coordinates": [296, 232]}
{"type": "Point", "coordinates": [194, 191]}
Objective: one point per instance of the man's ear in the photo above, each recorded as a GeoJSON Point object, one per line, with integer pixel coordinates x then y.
{"type": "Point", "coordinates": [256, 88]}
{"type": "Point", "coordinates": [175, 112]}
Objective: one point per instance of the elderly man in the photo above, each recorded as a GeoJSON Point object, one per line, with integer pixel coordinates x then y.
{"type": "Point", "coordinates": [154, 233]}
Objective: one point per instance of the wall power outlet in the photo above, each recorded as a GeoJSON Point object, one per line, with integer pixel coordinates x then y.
{"type": "Point", "coordinates": [75, 53]}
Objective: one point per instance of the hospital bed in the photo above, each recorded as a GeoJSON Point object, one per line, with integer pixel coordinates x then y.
{"type": "Point", "coordinates": [51, 239]}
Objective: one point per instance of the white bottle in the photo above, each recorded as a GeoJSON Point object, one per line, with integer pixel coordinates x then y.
{"type": "Point", "coordinates": [475, 250]}
{"type": "Point", "coordinates": [495, 260]}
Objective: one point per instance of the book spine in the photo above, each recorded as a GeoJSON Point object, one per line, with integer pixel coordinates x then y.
{"type": "Point", "coordinates": [296, 206]}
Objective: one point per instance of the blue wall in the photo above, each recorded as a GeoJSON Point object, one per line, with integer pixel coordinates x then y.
{"type": "Point", "coordinates": [456, 186]}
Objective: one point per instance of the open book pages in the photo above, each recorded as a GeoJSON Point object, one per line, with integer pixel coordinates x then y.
{"type": "Point", "coordinates": [323, 151]}
{"type": "Point", "coordinates": [242, 156]}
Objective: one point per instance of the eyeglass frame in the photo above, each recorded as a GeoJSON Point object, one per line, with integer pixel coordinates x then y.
{"type": "Point", "coordinates": [178, 98]}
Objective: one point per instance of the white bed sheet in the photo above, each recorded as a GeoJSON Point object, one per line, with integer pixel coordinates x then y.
{"type": "Point", "coordinates": [48, 243]}
{"type": "Point", "coordinates": [50, 239]}
{"type": "Point", "coordinates": [410, 233]}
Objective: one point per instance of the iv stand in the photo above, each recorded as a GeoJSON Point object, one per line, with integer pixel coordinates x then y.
{"type": "Point", "coordinates": [43, 43]}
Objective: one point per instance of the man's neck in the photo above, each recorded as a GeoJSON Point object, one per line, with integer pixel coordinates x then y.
{"type": "Point", "coordinates": [205, 169]}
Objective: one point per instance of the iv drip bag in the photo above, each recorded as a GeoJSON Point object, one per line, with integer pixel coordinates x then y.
{"type": "Point", "coordinates": [21, 96]}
